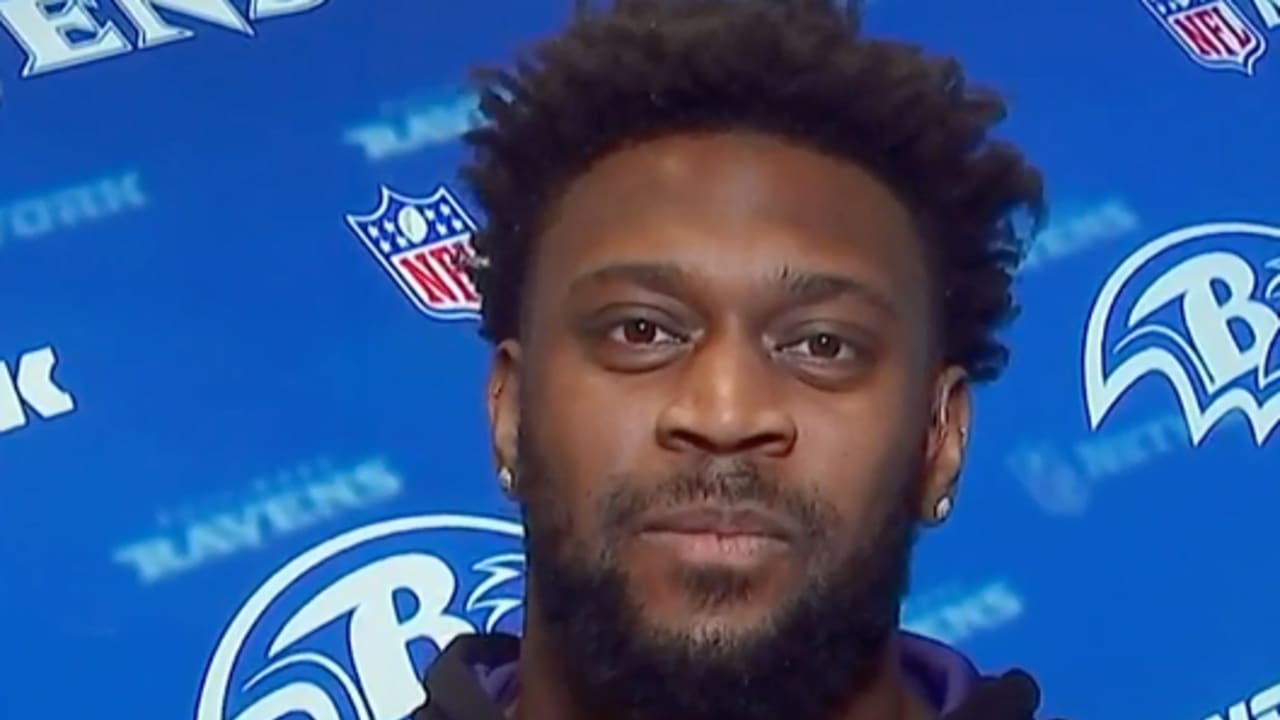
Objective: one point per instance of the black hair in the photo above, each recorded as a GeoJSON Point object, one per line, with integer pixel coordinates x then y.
{"type": "Point", "coordinates": [797, 69]}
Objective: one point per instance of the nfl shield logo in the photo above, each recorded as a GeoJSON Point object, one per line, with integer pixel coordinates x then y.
{"type": "Point", "coordinates": [1213, 32]}
{"type": "Point", "coordinates": [424, 244]}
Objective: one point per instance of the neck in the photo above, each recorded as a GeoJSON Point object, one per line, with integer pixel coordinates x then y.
{"type": "Point", "coordinates": [545, 696]}
{"type": "Point", "coordinates": [543, 693]}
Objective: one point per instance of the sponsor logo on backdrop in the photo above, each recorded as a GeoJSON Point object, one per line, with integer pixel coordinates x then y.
{"type": "Point", "coordinates": [272, 507]}
{"type": "Point", "coordinates": [407, 126]}
{"type": "Point", "coordinates": [58, 35]}
{"type": "Point", "coordinates": [28, 389]}
{"type": "Point", "coordinates": [70, 207]}
{"type": "Point", "coordinates": [1061, 478]}
{"type": "Point", "coordinates": [347, 628]}
{"type": "Point", "coordinates": [953, 614]}
{"type": "Point", "coordinates": [423, 243]}
{"type": "Point", "coordinates": [1217, 34]}
{"type": "Point", "coordinates": [1199, 308]}
{"type": "Point", "coordinates": [1081, 231]}
{"type": "Point", "coordinates": [1264, 705]}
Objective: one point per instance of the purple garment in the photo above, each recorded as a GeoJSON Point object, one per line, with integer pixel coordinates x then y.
{"type": "Point", "coordinates": [941, 674]}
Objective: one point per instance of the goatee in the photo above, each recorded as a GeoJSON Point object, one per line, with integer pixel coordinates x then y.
{"type": "Point", "coordinates": [819, 648]}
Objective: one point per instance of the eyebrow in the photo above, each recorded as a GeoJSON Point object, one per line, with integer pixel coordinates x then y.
{"type": "Point", "coordinates": [800, 287]}
{"type": "Point", "coordinates": [665, 278]}
{"type": "Point", "coordinates": [809, 288]}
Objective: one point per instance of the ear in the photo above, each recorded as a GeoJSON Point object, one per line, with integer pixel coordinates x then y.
{"type": "Point", "coordinates": [948, 435]}
{"type": "Point", "coordinates": [504, 403]}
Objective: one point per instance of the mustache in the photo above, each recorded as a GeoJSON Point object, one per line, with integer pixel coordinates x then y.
{"type": "Point", "coordinates": [714, 481]}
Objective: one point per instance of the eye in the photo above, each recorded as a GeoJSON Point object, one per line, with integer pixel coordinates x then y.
{"type": "Point", "coordinates": [821, 346]}
{"type": "Point", "coordinates": [641, 331]}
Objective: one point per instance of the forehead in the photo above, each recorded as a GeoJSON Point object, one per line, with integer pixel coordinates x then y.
{"type": "Point", "coordinates": [725, 205]}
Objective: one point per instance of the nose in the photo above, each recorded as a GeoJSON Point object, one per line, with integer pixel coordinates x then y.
{"type": "Point", "coordinates": [727, 401]}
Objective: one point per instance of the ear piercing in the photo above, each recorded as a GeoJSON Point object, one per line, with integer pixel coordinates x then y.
{"type": "Point", "coordinates": [942, 509]}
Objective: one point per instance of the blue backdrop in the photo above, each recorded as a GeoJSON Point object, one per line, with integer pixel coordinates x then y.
{"type": "Point", "coordinates": [244, 470]}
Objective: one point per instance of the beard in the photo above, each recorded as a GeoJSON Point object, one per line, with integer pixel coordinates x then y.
{"type": "Point", "coordinates": [816, 649]}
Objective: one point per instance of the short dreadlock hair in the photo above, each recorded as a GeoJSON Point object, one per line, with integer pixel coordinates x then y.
{"type": "Point", "coordinates": [799, 70]}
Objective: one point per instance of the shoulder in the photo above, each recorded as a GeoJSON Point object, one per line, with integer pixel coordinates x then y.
{"type": "Point", "coordinates": [454, 684]}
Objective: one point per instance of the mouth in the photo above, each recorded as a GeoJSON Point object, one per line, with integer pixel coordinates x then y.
{"type": "Point", "coordinates": [738, 535]}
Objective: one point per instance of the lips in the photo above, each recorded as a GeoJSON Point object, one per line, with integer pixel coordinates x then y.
{"type": "Point", "coordinates": [722, 520]}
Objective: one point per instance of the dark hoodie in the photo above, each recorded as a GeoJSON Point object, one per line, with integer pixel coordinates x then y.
{"type": "Point", "coordinates": [475, 678]}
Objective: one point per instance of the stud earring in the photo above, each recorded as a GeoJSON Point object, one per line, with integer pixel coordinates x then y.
{"type": "Point", "coordinates": [506, 480]}
{"type": "Point", "coordinates": [942, 509]}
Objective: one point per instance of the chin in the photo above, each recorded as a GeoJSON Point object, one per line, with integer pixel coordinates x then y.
{"type": "Point", "coordinates": [698, 618]}
{"type": "Point", "coordinates": [708, 637]}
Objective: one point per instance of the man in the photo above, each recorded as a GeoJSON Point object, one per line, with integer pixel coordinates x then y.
{"type": "Point", "coordinates": [741, 268]}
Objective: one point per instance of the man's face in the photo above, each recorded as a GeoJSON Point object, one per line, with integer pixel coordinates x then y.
{"type": "Point", "coordinates": [722, 402]}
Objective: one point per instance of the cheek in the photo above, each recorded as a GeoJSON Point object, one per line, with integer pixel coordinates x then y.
{"type": "Point", "coordinates": [862, 448]}
{"type": "Point", "coordinates": [589, 440]}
